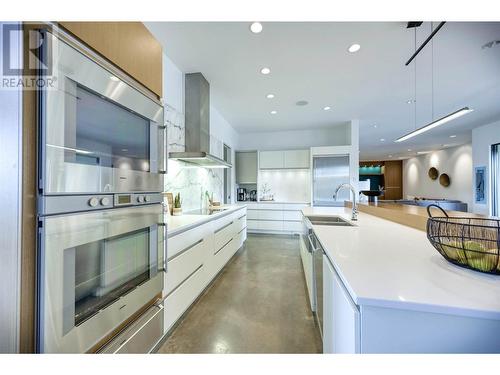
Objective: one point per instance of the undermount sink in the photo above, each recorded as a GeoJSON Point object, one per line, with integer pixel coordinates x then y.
{"type": "Point", "coordinates": [329, 220]}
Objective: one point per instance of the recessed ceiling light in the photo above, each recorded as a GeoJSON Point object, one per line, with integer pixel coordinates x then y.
{"type": "Point", "coordinates": [265, 71]}
{"type": "Point", "coordinates": [354, 48]}
{"type": "Point", "coordinates": [113, 78]}
{"type": "Point", "coordinates": [327, 108]}
{"type": "Point", "coordinates": [409, 149]}
{"type": "Point", "coordinates": [302, 103]}
{"type": "Point", "coordinates": [375, 126]}
{"type": "Point", "coordinates": [270, 96]}
{"type": "Point", "coordinates": [411, 101]}
{"type": "Point", "coordinates": [256, 27]}
{"type": "Point", "coordinates": [390, 156]}
{"type": "Point", "coordinates": [274, 112]}
{"type": "Point", "coordinates": [453, 136]}
{"type": "Point", "coordinates": [382, 139]}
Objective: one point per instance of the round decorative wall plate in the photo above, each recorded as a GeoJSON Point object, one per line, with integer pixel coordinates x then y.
{"type": "Point", "coordinates": [433, 173]}
{"type": "Point", "coordinates": [444, 180]}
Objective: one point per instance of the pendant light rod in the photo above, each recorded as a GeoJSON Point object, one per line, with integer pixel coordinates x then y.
{"type": "Point", "coordinates": [425, 42]}
{"type": "Point", "coordinates": [435, 124]}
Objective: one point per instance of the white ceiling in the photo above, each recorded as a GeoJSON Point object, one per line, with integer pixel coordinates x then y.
{"type": "Point", "coordinates": [309, 61]}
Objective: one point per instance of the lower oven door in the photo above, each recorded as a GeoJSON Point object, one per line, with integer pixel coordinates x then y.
{"type": "Point", "coordinates": [98, 269]}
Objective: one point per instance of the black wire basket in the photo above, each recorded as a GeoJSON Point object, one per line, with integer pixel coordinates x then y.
{"type": "Point", "coordinates": [468, 242]}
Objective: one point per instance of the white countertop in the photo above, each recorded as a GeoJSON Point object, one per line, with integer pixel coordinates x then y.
{"type": "Point", "coordinates": [179, 224]}
{"type": "Point", "coordinates": [386, 264]}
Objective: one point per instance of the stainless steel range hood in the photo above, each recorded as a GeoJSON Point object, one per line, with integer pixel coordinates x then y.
{"type": "Point", "coordinates": [197, 107]}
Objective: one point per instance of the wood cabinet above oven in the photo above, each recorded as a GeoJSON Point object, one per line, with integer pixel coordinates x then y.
{"type": "Point", "coordinates": [128, 45]}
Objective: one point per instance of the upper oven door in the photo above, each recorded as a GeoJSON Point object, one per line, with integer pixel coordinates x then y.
{"type": "Point", "coordinates": [97, 269]}
{"type": "Point", "coordinates": [99, 134]}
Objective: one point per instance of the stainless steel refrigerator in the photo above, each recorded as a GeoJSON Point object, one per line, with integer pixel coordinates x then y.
{"type": "Point", "coordinates": [329, 171]}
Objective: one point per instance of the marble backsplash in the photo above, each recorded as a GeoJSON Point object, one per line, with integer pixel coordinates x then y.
{"type": "Point", "coordinates": [191, 181]}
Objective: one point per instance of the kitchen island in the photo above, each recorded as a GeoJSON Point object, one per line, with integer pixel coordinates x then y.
{"type": "Point", "coordinates": [389, 291]}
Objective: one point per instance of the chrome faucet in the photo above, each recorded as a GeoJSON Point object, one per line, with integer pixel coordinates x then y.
{"type": "Point", "coordinates": [354, 204]}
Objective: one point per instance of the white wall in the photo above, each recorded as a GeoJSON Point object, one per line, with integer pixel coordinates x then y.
{"type": "Point", "coordinates": [482, 139]}
{"type": "Point", "coordinates": [455, 161]}
{"type": "Point", "coordinates": [222, 130]}
{"type": "Point", "coordinates": [287, 185]}
{"type": "Point", "coordinates": [282, 140]}
{"type": "Point", "coordinates": [173, 85]}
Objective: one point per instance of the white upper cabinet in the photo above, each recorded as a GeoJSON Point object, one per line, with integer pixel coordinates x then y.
{"type": "Point", "coordinates": [289, 159]}
{"type": "Point", "coordinates": [246, 167]}
{"type": "Point", "coordinates": [271, 160]}
{"type": "Point", "coordinates": [296, 158]}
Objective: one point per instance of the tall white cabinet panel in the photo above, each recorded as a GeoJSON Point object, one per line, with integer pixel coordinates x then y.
{"type": "Point", "coordinates": [271, 160]}
{"type": "Point", "coordinates": [341, 332]}
{"type": "Point", "coordinates": [246, 167]}
{"type": "Point", "coordinates": [296, 159]}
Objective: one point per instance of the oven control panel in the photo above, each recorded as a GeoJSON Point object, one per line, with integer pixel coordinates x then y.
{"type": "Point", "coordinates": [51, 205]}
{"type": "Point", "coordinates": [137, 199]}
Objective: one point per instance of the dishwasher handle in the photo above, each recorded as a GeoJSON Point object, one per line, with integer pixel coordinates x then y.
{"type": "Point", "coordinates": [313, 247]}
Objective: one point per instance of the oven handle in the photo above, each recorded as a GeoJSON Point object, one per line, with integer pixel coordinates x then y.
{"type": "Point", "coordinates": [165, 250]}
{"type": "Point", "coordinates": [163, 149]}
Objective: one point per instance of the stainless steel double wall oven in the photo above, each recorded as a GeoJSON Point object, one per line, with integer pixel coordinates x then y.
{"type": "Point", "coordinates": [102, 235]}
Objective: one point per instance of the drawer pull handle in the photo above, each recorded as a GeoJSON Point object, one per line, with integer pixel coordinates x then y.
{"type": "Point", "coordinates": [217, 252]}
{"type": "Point", "coordinates": [184, 250]}
{"type": "Point", "coordinates": [183, 281]}
{"type": "Point", "coordinates": [241, 217]}
{"type": "Point", "coordinates": [225, 226]}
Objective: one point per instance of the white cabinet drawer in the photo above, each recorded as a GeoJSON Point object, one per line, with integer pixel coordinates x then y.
{"type": "Point", "coordinates": [223, 235]}
{"type": "Point", "coordinates": [223, 231]}
{"type": "Point", "coordinates": [270, 215]}
{"type": "Point", "coordinates": [293, 226]}
{"type": "Point", "coordinates": [270, 225]}
{"type": "Point", "coordinates": [225, 253]}
{"type": "Point", "coordinates": [253, 214]}
{"type": "Point", "coordinates": [252, 224]}
{"type": "Point", "coordinates": [183, 240]}
{"type": "Point", "coordinates": [241, 237]}
{"type": "Point", "coordinates": [240, 223]}
{"type": "Point", "coordinates": [181, 298]}
{"type": "Point", "coordinates": [292, 215]}
{"type": "Point", "coordinates": [185, 262]}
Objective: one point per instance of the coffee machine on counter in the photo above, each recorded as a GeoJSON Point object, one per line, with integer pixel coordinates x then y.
{"type": "Point", "coordinates": [242, 194]}
{"type": "Point", "coordinates": [253, 195]}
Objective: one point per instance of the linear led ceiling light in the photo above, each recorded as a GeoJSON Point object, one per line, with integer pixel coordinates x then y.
{"type": "Point", "coordinates": [435, 124]}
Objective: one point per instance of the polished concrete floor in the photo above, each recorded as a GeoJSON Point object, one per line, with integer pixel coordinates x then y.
{"type": "Point", "coordinates": [258, 304]}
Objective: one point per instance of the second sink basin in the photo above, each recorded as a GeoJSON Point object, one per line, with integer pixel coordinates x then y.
{"type": "Point", "coordinates": [328, 220]}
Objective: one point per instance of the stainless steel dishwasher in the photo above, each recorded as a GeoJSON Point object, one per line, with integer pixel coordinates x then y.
{"type": "Point", "coordinates": [318, 279]}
